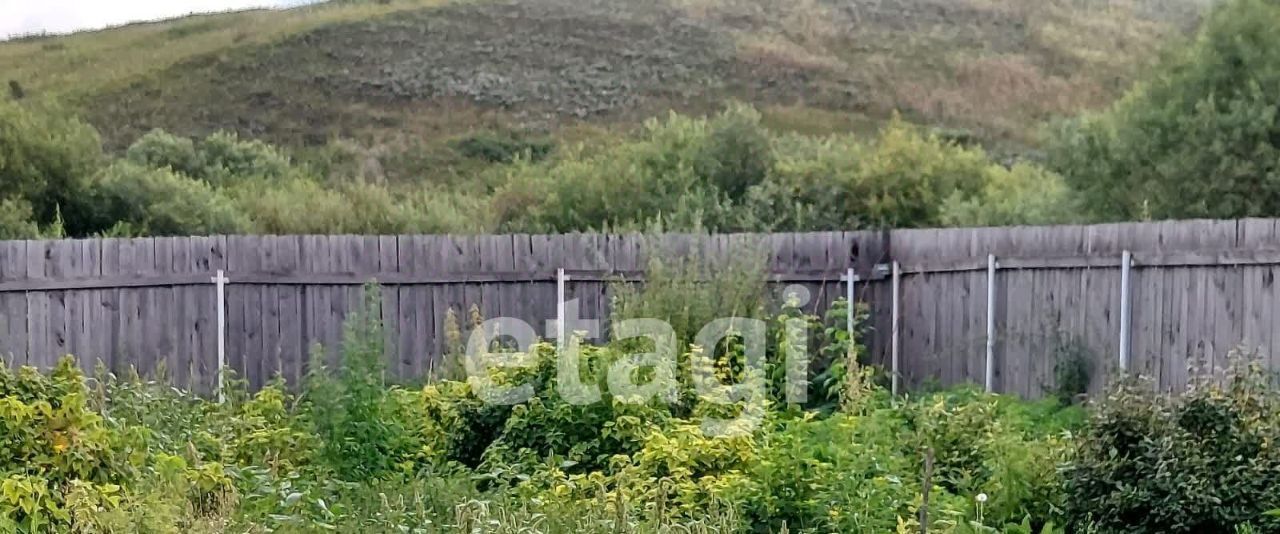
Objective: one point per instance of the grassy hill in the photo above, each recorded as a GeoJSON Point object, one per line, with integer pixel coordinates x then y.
{"type": "Point", "coordinates": [379, 74]}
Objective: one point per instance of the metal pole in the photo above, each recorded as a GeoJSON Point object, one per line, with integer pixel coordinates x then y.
{"type": "Point", "coordinates": [989, 377]}
{"type": "Point", "coordinates": [897, 290]}
{"type": "Point", "coordinates": [561, 278]}
{"type": "Point", "coordinates": [221, 282]}
{"type": "Point", "coordinates": [850, 280]}
{"type": "Point", "coordinates": [1126, 265]}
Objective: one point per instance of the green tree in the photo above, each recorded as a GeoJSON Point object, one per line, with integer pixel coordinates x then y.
{"type": "Point", "coordinates": [46, 160]}
{"type": "Point", "coordinates": [1200, 139]}
{"type": "Point", "coordinates": [15, 220]}
{"type": "Point", "coordinates": [220, 159]}
{"type": "Point", "coordinates": [899, 179]}
{"type": "Point", "coordinates": [1024, 194]}
{"type": "Point", "coordinates": [160, 202]}
{"type": "Point", "coordinates": [685, 172]}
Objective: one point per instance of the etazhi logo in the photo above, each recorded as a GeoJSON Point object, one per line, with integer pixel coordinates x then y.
{"type": "Point", "coordinates": [507, 343]}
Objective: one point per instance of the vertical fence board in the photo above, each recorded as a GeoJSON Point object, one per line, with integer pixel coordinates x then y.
{"type": "Point", "coordinates": [59, 264]}
{"type": "Point", "coordinates": [80, 304]}
{"type": "Point", "coordinates": [389, 262]}
{"type": "Point", "coordinates": [38, 317]}
{"type": "Point", "coordinates": [158, 322]}
{"type": "Point", "coordinates": [14, 340]}
{"type": "Point", "coordinates": [183, 361]}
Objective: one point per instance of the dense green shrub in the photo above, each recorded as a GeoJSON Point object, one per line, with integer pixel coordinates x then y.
{"type": "Point", "coordinates": [1206, 461]}
{"type": "Point", "coordinates": [293, 206]}
{"type": "Point", "coordinates": [1199, 139]}
{"type": "Point", "coordinates": [665, 175]}
{"type": "Point", "coordinates": [982, 446]}
{"type": "Point", "coordinates": [730, 173]}
{"type": "Point", "coordinates": [219, 159]}
{"type": "Point", "coordinates": [46, 160]}
{"type": "Point", "coordinates": [17, 220]}
{"type": "Point", "coordinates": [736, 154]}
{"type": "Point", "coordinates": [155, 201]}
{"type": "Point", "coordinates": [69, 465]}
{"type": "Point", "coordinates": [504, 147]}
{"type": "Point", "coordinates": [227, 158]}
{"type": "Point", "coordinates": [160, 149]}
{"type": "Point", "coordinates": [302, 205]}
{"type": "Point", "coordinates": [722, 173]}
{"type": "Point", "coordinates": [688, 293]}
{"type": "Point", "coordinates": [358, 422]}
{"type": "Point", "coordinates": [900, 180]}
{"type": "Point", "coordinates": [810, 478]}
{"type": "Point", "coordinates": [1022, 195]}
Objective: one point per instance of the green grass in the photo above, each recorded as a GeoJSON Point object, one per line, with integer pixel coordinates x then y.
{"type": "Point", "coordinates": [89, 63]}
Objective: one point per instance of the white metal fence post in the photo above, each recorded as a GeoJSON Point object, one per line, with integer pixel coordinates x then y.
{"type": "Point", "coordinates": [897, 290]}
{"type": "Point", "coordinates": [561, 279]}
{"type": "Point", "coordinates": [851, 278]}
{"type": "Point", "coordinates": [221, 282]}
{"type": "Point", "coordinates": [1126, 266]}
{"type": "Point", "coordinates": [989, 376]}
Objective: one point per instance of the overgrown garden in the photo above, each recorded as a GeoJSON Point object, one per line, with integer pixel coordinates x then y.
{"type": "Point", "coordinates": [348, 451]}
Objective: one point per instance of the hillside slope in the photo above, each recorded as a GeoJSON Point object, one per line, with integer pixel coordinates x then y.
{"type": "Point", "coordinates": [378, 74]}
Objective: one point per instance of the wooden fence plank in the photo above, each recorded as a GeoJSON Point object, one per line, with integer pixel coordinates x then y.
{"type": "Point", "coordinates": [389, 261]}
{"type": "Point", "coordinates": [183, 362]}
{"type": "Point", "coordinates": [409, 364]}
{"type": "Point", "coordinates": [14, 340]}
{"type": "Point", "coordinates": [158, 321]}
{"type": "Point", "coordinates": [60, 257]}
{"type": "Point", "coordinates": [38, 319]}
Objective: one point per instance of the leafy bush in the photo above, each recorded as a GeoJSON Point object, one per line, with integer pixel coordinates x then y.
{"type": "Point", "coordinates": [1202, 462]}
{"type": "Point", "coordinates": [351, 454]}
{"type": "Point", "coordinates": [722, 173]}
{"type": "Point", "coordinates": [504, 147]}
{"type": "Point", "coordinates": [688, 294]}
{"type": "Point", "coordinates": [736, 154]}
{"type": "Point", "coordinates": [668, 174]}
{"type": "Point", "coordinates": [729, 173]}
{"type": "Point", "coordinates": [902, 179]}
{"type": "Point", "coordinates": [303, 206]}
{"type": "Point", "coordinates": [354, 416]}
{"type": "Point", "coordinates": [161, 202]}
{"type": "Point", "coordinates": [219, 159]}
{"type": "Point", "coordinates": [1022, 195]}
{"type": "Point", "coordinates": [160, 149]}
{"type": "Point", "coordinates": [1199, 139]}
{"type": "Point", "coordinates": [226, 158]}
{"type": "Point", "coordinates": [68, 465]}
{"type": "Point", "coordinates": [16, 220]}
{"type": "Point", "coordinates": [46, 159]}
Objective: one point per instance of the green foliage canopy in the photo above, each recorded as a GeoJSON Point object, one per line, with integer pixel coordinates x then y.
{"type": "Point", "coordinates": [153, 201]}
{"type": "Point", "coordinates": [1200, 139]}
{"type": "Point", "coordinates": [46, 160]}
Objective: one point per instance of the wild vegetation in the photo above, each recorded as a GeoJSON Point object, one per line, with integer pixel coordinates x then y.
{"type": "Point", "coordinates": [376, 117]}
{"type": "Point", "coordinates": [345, 451]}
{"type": "Point", "coordinates": [723, 173]}
{"type": "Point", "coordinates": [1198, 139]}
{"type": "Point", "coordinates": [354, 69]}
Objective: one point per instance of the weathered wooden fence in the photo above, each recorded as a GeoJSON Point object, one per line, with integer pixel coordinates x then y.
{"type": "Point", "coordinates": [143, 302]}
{"type": "Point", "coordinates": [1198, 289]}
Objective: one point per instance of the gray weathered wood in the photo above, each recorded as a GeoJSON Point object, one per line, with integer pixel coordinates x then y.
{"type": "Point", "coordinates": [1200, 288]}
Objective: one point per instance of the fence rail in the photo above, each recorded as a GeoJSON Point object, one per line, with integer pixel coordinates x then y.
{"type": "Point", "coordinates": [358, 279]}
{"type": "Point", "coordinates": [1196, 289]}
